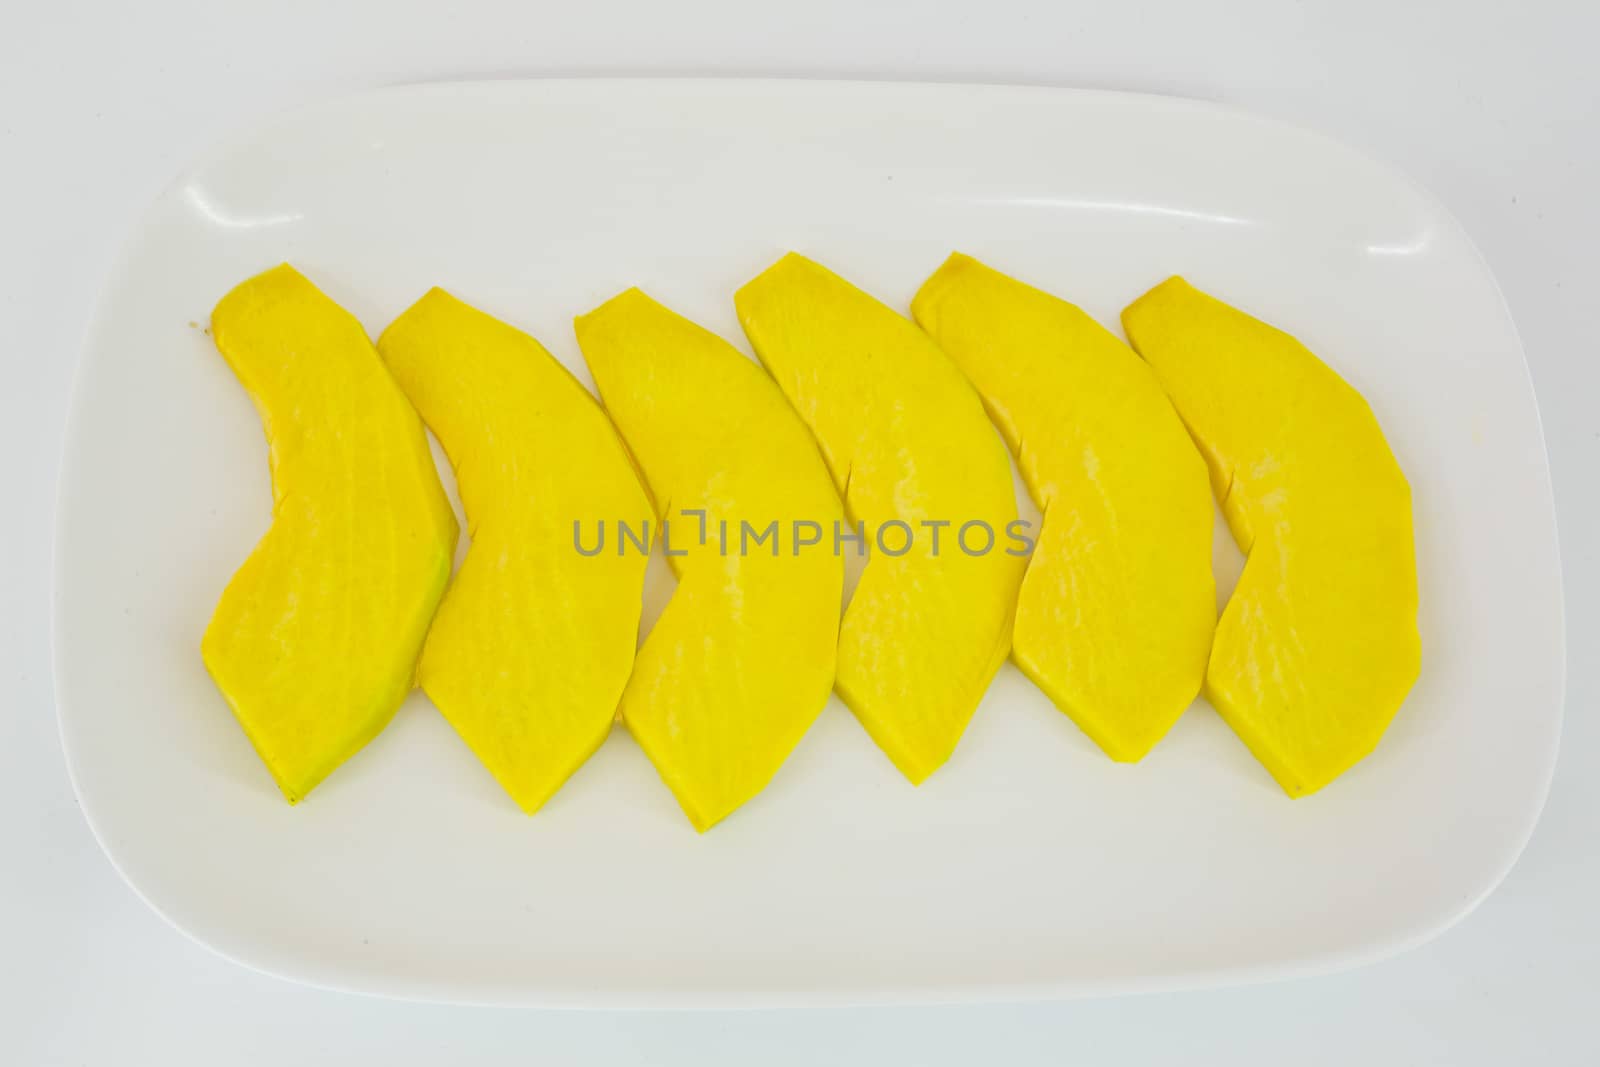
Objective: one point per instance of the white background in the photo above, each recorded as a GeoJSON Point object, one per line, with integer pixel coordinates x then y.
{"type": "Point", "coordinates": [1495, 107]}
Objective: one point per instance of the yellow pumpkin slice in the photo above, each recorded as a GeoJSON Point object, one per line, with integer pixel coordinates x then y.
{"type": "Point", "coordinates": [316, 638]}
{"type": "Point", "coordinates": [534, 641]}
{"type": "Point", "coordinates": [910, 449]}
{"type": "Point", "coordinates": [741, 661]}
{"type": "Point", "coordinates": [1318, 645]}
{"type": "Point", "coordinates": [1117, 608]}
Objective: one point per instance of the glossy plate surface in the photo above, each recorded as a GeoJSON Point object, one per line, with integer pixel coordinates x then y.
{"type": "Point", "coordinates": [1031, 865]}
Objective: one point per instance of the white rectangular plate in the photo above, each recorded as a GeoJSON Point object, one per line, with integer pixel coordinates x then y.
{"type": "Point", "coordinates": [1031, 865]}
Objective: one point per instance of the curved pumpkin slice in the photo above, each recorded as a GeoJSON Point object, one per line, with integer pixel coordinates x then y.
{"type": "Point", "coordinates": [316, 637]}
{"type": "Point", "coordinates": [533, 643]}
{"type": "Point", "coordinates": [911, 450]}
{"type": "Point", "coordinates": [1318, 646]}
{"type": "Point", "coordinates": [1117, 608]}
{"type": "Point", "coordinates": [741, 661]}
